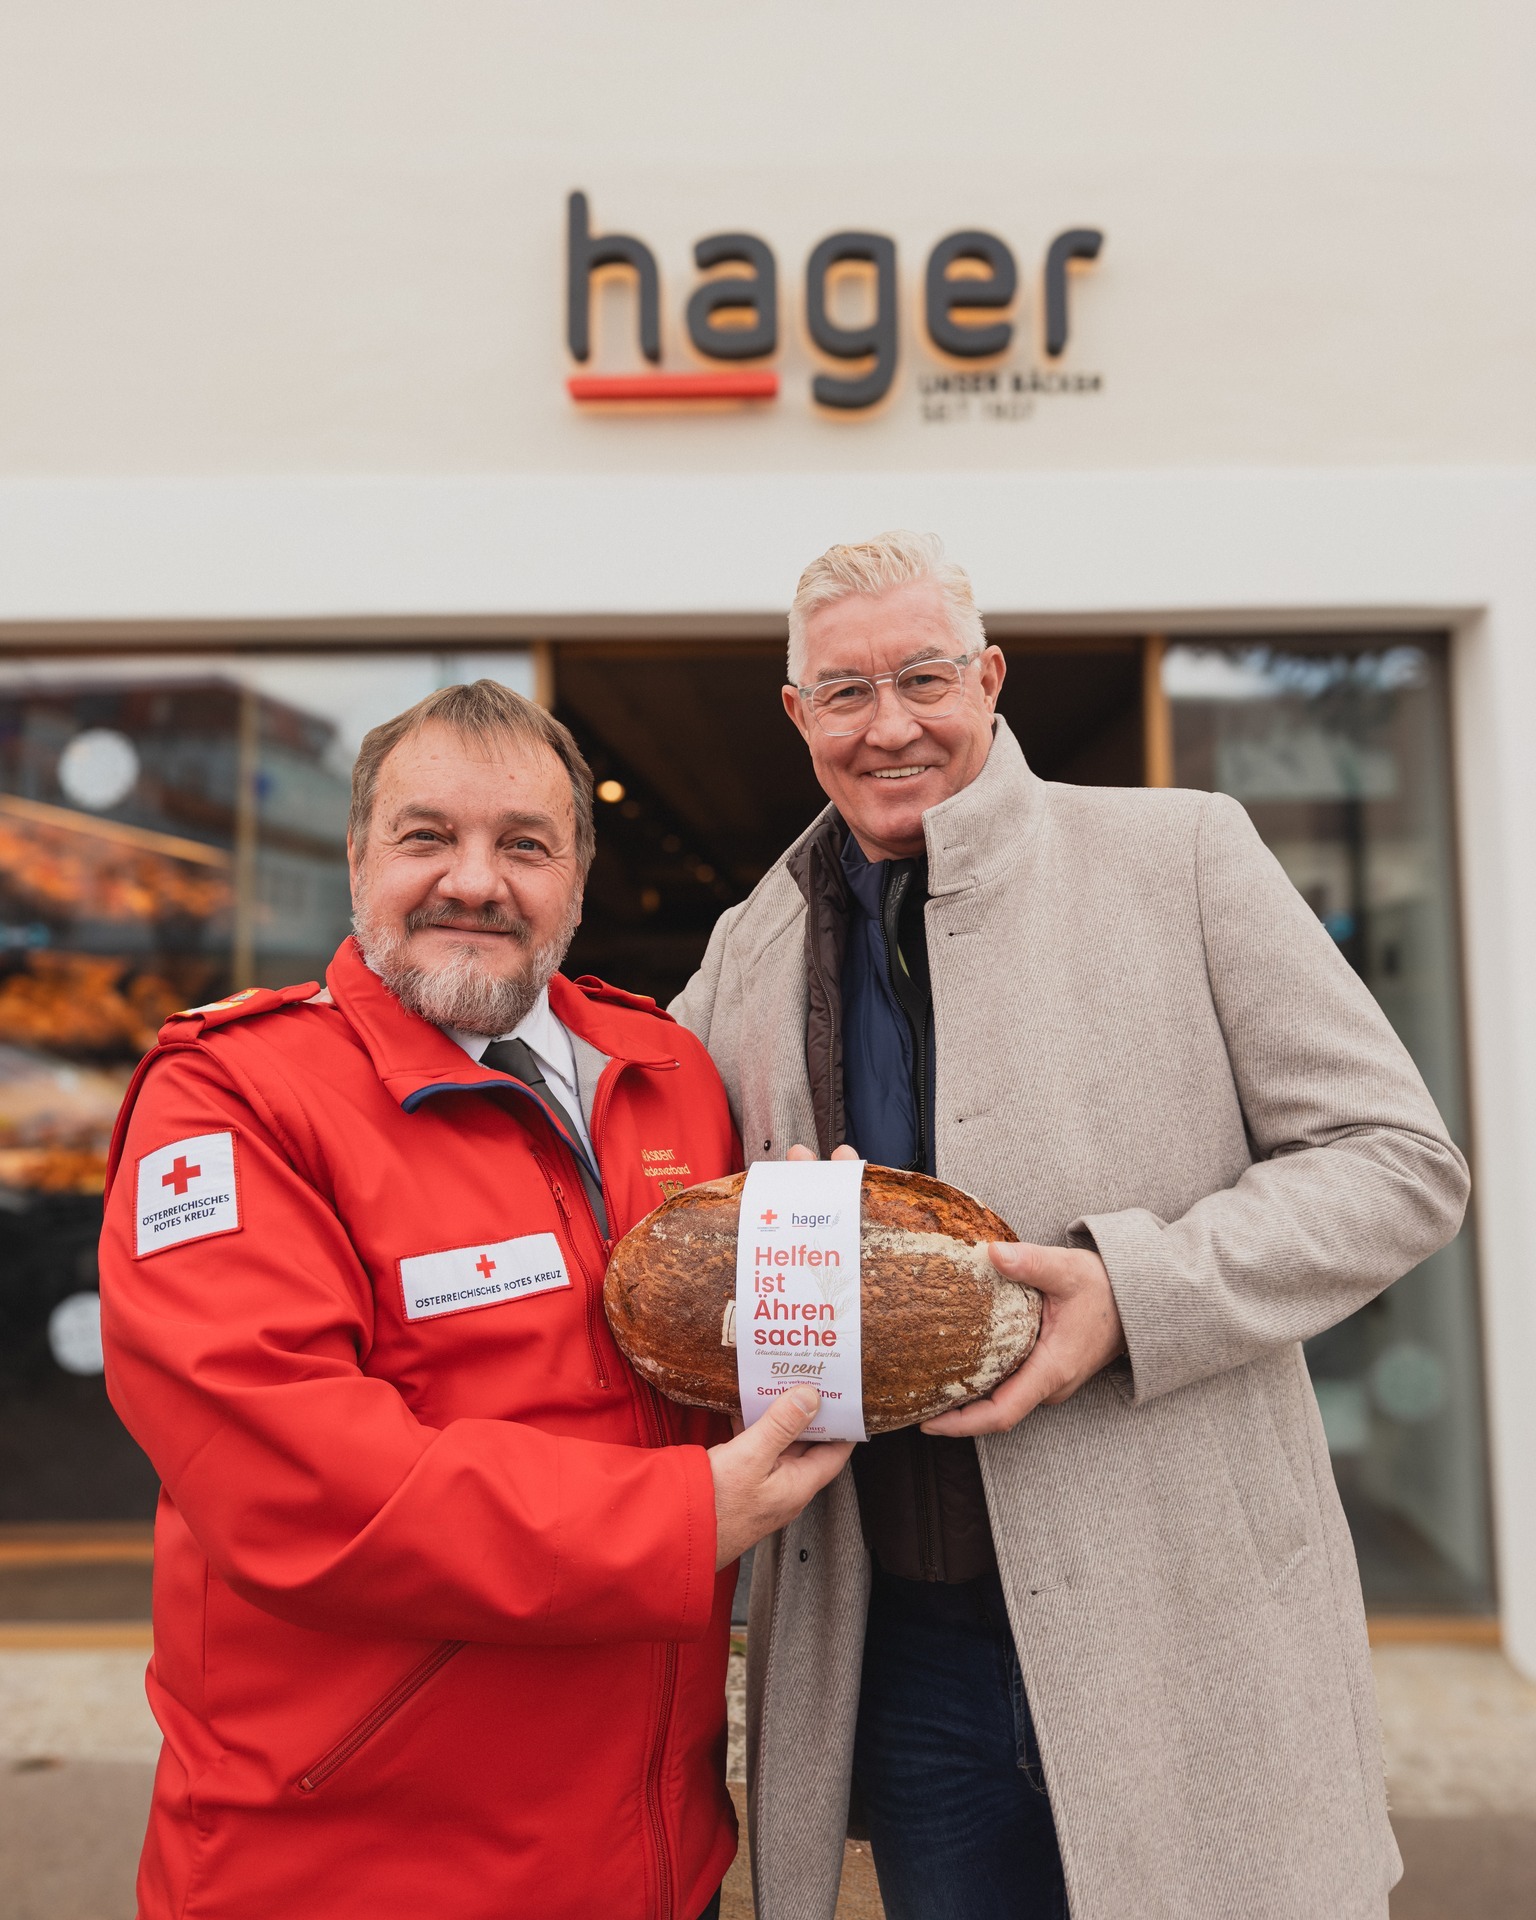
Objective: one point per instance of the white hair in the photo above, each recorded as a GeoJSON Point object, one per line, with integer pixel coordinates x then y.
{"type": "Point", "coordinates": [877, 566]}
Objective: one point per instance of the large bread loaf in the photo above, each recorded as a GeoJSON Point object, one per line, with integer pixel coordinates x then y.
{"type": "Point", "coordinates": [940, 1325]}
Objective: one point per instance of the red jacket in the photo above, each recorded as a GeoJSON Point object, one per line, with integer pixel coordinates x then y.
{"type": "Point", "coordinates": [437, 1625]}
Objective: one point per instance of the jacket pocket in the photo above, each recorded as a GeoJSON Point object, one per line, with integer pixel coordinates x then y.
{"type": "Point", "coordinates": [1260, 1472]}
{"type": "Point", "coordinates": [378, 1716]}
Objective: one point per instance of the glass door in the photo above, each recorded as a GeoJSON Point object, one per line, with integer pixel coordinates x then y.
{"type": "Point", "coordinates": [1339, 749]}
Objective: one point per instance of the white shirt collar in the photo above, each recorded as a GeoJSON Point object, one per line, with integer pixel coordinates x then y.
{"type": "Point", "coordinates": [538, 1027]}
{"type": "Point", "coordinates": [550, 1044]}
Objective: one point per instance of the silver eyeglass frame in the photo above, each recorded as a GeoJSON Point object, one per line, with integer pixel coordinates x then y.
{"type": "Point", "coordinates": [875, 683]}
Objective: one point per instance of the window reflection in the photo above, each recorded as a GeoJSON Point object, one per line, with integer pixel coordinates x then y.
{"type": "Point", "coordinates": [170, 829]}
{"type": "Point", "coordinates": [1339, 751]}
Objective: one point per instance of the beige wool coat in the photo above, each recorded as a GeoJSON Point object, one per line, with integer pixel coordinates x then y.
{"type": "Point", "coordinates": [1148, 1044]}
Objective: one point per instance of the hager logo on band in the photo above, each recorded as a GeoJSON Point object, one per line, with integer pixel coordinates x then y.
{"type": "Point", "coordinates": [970, 291]}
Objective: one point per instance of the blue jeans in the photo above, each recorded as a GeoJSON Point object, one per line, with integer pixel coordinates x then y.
{"type": "Point", "coordinates": [945, 1760]}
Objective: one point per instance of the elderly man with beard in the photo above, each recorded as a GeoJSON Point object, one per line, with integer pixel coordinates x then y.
{"type": "Point", "coordinates": [442, 1590]}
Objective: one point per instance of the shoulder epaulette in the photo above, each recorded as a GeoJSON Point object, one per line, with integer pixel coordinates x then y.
{"type": "Point", "coordinates": [596, 989]}
{"type": "Point", "coordinates": [192, 1021]}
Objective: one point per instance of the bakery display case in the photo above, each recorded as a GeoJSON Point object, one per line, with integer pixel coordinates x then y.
{"type": "Point", "coordinates": [172, 827]}
{"type": "Point", "coordinates": [162, 840]}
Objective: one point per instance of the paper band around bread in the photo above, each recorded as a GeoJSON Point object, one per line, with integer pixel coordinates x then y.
{"type": "Point", "coordinates": [940, 1325]}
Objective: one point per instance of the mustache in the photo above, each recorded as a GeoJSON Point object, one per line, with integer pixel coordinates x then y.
{"type": "Point", "coordinates": [485, 919]}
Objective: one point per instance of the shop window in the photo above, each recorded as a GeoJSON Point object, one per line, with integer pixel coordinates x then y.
{"type": "Point", "coordinates": [170, 828]}
{"type": "Point", "coordinates": [1339, 749]}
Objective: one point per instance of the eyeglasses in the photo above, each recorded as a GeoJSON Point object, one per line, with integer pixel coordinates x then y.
{"type": "Point", "coordinates": [927, 688]}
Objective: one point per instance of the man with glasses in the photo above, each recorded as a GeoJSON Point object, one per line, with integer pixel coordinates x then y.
{"type": "Point", "coordinates": [1096, 1640]}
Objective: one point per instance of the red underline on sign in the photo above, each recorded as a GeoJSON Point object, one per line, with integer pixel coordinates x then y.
{"type": "Point", "coordinates": [673, 386]}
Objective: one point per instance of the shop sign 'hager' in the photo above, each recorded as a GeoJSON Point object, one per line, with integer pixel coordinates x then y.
{"type": "Point", "coordinates": [970, 284]}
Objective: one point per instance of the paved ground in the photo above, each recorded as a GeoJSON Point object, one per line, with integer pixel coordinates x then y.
{"type": "Point", "coordinates": [1460, 1729]}
{"type": "Point", "coordinates": [1470, 1867]}
{"type": "Point", "coordinates": [1460, 1732]}
{"type": "Point", "coordinates": [1456, 1869]}
{"type": "Point", "coordinates": [69, 1838]}
{"type": "Point", "coordinates": [77, 1747]}
{"type": "Point", "coordinates": [859, 1899]}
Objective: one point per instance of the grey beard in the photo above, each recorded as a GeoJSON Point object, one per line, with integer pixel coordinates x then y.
{"type": "Point", "coordinates": [462, 992]}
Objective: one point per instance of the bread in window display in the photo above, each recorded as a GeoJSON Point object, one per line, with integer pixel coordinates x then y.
{"type": "Point", "coordinates": [103, 880]}
{"type": "Point", "coordinates": [78, 1002]}
{"type": "Point", "coordinates": [55, 1121]}
{"type": "Point", "coordinates": [940, 1325]}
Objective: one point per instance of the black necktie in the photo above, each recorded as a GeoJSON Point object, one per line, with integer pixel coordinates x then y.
{"type": "Point", "coordinates": [516, 1058]}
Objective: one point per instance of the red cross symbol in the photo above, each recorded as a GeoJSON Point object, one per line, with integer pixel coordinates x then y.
{"type": "Point", "coordinates": [181, 1175]}
{"type": "Point", "coordinates": [769, 1217]}
{"type": "Point", "coordinates": [485, 1266]}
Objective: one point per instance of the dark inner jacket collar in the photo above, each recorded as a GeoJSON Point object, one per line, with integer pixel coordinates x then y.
{"type": "Point", "coordinates": [869, 880]}
{"type": "Point", "coordinates": [866, 878]}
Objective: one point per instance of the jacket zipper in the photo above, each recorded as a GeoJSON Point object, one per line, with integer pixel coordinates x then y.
{"type": "Point", "coordinates": [836, 1106]}
{"type": "Point", "coordinates": [925, 1490]}
{"type": "Point", "coordinates": [890, 926]}
{"type": "Point", "coordinates": [378, 1715]}
{"type": "Point", "coordinates": [653, 1426]}
{"type": "Point", "coordinates": [605, 1246]}
{"type": "Point", "coordinates": [594, 1289]}
{"type": "Point", "coordinates": [834, 1099]}
{"type": "Point", "coordinates": [920, 1049]}
{"type": "Point", "coordinates": [653, 1810]}
{"type": "Point", "coordinates": [652, 1419]}
{"type": "Point", "coordinates": [647, 1401]}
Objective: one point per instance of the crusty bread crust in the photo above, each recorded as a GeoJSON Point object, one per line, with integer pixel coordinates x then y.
{"type": "Point", "coordinates": [940, 1325]}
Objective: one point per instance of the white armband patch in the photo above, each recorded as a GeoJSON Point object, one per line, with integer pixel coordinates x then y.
{"type": "Point", "coordinates": [462, 1277]}
{"type": "Point", "coordinates": [186, 1191]}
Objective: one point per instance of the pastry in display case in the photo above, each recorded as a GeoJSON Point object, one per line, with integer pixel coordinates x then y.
{"type": "Point", "coordinates": [158, 838]}
{"type": "Point", "coordinates": [53, 1116]}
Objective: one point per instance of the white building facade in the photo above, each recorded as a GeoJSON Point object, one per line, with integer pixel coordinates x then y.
{"type": "Point", "coordinates": [1205, 338]}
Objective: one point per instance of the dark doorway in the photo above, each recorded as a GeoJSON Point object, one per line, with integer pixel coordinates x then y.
{"type": "Point", "coordinates": [709, 782]}
{"type": "Point", "coordinates": [1078, 712]}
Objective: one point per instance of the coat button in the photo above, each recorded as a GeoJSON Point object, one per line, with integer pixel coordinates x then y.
{"type": "Point", "coordinates": [805, 1553]}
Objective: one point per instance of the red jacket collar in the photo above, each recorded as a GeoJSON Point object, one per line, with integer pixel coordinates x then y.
{"type": "Point", "coordinates": [409, 1054]}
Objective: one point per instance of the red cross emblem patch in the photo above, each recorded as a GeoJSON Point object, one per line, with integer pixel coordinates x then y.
{"type": "Point", "coordinates": [188, 1190]}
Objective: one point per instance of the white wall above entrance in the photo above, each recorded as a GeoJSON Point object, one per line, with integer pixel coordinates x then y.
{"type": "Point", "coordinates": [309, 237]}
